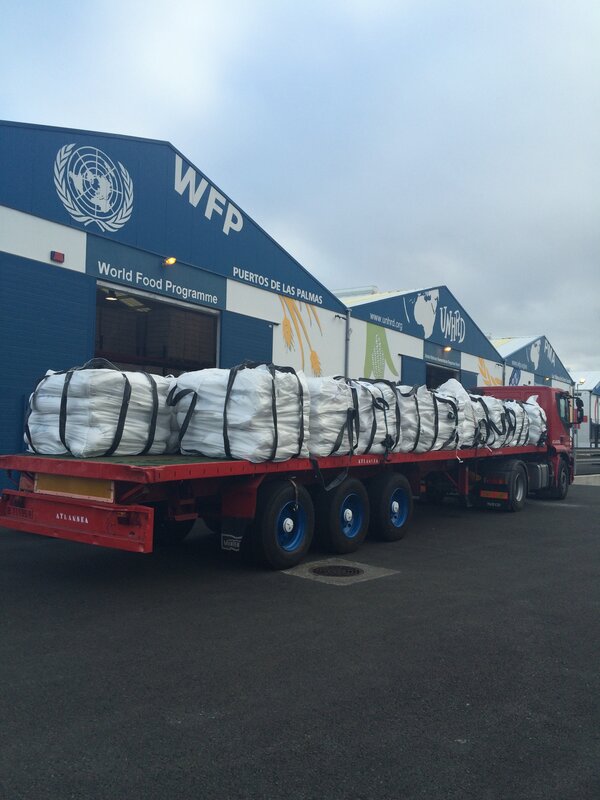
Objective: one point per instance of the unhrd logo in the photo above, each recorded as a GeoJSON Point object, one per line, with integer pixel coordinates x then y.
{"type": "Point", "coordinates": [92, 187]}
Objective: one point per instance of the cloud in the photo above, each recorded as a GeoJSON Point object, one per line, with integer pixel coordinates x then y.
{"type": "Point", "coordinates": [422, 142]}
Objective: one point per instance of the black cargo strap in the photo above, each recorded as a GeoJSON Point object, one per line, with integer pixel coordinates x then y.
{"type": "Point", "coordinates": [511, 424]}
{"type": "Point", "coordinates": [352, 422]}
{"type": "Point", "coordinates": [173, 398]}
{"type": "Point", "coordinates": [122, 416]}
{"type": "Point", "coordinates": [453, 415]}
{"type": "Point", "coordinates": [95, 363]}
{"type": "Point", "coordinates": [373, 430]}
{"type": "Point", "coordinates": [339, 478]}
{"type": "Point", "coordinates": [154, 417]}
{"type": "Point", "coordinates": [486, 423]}
{"type": "Point", "coordinates": [381, 404]}
{"type": "Point", "coordinates": [273, 369]}
{"type": "Point", "coordinates": [346, 429]}
{"type": "Point", "coordinates": [389, 442]}
{"type": "Point", "coordinates": [291, 371]}
{"type": "Point", "coordinates": [524, 418]}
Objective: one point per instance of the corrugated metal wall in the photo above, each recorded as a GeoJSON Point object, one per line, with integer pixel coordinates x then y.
{"type": "Point", "coordinates": [46, 322]}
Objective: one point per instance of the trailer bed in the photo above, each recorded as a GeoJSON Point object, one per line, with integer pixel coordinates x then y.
{"type": "Point", "coordinates": [160, 469]}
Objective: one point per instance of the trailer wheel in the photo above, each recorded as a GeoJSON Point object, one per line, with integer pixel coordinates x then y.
{"type": "Point", "coordinates": [342, 516]}
{"type": "Point", "coordinates": [283, 526]}
{"type": "Point", "coordinates": [559, 492]}
{"type": "Point", "coordinates": [391, 501]}
{"type": "Point", "coordinates": [516, 483]}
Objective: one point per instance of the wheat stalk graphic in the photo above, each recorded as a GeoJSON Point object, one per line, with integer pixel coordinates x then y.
{"type": "Point", "coordinates": [293, 322]}
{"type": "Point", "coordinates": [488, 380]}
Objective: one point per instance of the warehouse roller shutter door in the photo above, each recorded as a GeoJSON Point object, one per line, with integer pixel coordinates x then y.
{"type": "Point", "coordinates": [436, 375]}
{"type": "Point", "coordinates": [138, 332]}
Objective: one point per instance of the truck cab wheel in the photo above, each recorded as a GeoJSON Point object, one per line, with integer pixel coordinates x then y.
{"type": "Point", "coordinates": [516, 483]}
{"type": "Point", "coordinates": [560, 490]}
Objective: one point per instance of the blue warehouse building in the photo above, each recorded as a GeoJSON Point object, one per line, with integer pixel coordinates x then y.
{"type": "Point", "coordinates": [88, 224]}
{"type": "Point", "coordinates": [419, 337]}
{"type": "Point", "coordinates": [531, 361]}
{"type": "Point", "coordinates": [120, 248]}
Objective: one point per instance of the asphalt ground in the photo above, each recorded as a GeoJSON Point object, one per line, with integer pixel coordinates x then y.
{"type": "Point", "coordinates": [472, 671]}
{"type": "Point", "coordinates": [587, 461]}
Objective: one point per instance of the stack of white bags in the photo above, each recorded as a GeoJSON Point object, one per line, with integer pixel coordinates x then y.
{"type": "Point", "coordinates": [97, 410]}
{"type": "Point", "coordinates": [259, 412]}
{"type": "Point", "coordinates": [256, 414]}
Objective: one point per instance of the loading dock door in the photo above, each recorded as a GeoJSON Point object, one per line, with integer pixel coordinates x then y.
{"type": "Point", "coordinates": [437, 375]}
{"type": "Point", "coordinates": [140, 333]}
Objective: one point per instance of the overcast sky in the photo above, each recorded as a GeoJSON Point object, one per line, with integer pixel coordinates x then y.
{"type": "Point", "coordinates": [398, 144]}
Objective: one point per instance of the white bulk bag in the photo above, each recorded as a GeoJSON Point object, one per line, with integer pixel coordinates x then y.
{"type": "Point", "coordinates": [256, 412]}
{"type": "Point", "coordinates": [332, 415]}
{"type": "Point", "coordinates": [428, 421]}
{"type": "Point", "coordinates": [378, 416]}
{"type": "Point", "coordinates": [467, 429]}
{"type": "Point", "coordinates": [519, 423]}
{"type": "Point", "coordinates": [410, 418]}
{"type": "Point", "coordinates": [97, 410]}
{"type": "Point", "coordinates": [537, 421]}
{"type": "Point", "coordinates": [493, 424]}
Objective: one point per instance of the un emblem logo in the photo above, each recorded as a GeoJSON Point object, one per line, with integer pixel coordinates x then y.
{"type": "Point", "coordinates": [92, 187]}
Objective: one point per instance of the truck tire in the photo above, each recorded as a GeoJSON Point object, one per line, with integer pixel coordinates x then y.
{"type": "Point", "coordinates": [342, 516]}
{"type": "Point", "coordinates": [560, 490]}
{"type": "Point", "coordinates": [283, 527]}
{"type": "Point", "coordinates": [516, 484]}
{"type": "Point", "coordinates": [391, 501]}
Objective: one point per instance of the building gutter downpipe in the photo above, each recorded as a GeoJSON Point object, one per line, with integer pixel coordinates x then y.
{"type": "Point", "coordinates": [347, 347]}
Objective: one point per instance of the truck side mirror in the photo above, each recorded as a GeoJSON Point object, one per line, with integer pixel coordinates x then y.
{"type": "Point", "coordinates": [579, 416]}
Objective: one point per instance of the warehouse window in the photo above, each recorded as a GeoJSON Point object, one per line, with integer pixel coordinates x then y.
{"type": "Point", "coordinates": [138, 332]}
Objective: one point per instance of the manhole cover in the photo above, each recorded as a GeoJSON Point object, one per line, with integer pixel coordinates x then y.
{"type": "Point", "coordinates": [337, 571]}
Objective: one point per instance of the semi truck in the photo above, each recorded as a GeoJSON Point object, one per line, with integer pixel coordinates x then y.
{"type": "Point", "coordinates": [271, 511]}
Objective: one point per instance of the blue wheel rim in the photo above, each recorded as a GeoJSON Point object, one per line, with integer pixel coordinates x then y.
{"type": "Point", "coordinates": [291, 527]}
{"type": "Point", "coordinates": [351, 515]}
{"type": "Point", "coordinates": [398, 508]}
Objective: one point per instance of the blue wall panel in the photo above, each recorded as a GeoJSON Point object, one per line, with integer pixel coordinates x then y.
{"type": "Point", "coordinates": [468, 379]}
{"type": "Point", "coordinates": [244, 339]}
{"type": "Point", "coordinates": [47, 321]}
{"type": "Point", "coordinates": [413, 371]}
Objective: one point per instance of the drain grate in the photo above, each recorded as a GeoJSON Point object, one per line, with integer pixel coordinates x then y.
{"type": "Point", "coordinates": [336, 571]}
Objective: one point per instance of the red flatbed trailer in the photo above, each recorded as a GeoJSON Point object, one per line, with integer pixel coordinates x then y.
{"type": "Point", "coordinates": [126, 503]}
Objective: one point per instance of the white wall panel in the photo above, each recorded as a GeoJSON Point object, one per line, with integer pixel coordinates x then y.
{"type": "Point", "coordinates": [376, 351]}
{"type": "Point", "coordinates": [31, 237]}
{"type": "Point", "coordinates": [489, 373]}
{"type": "Point", "coordinates": [305, 336]}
